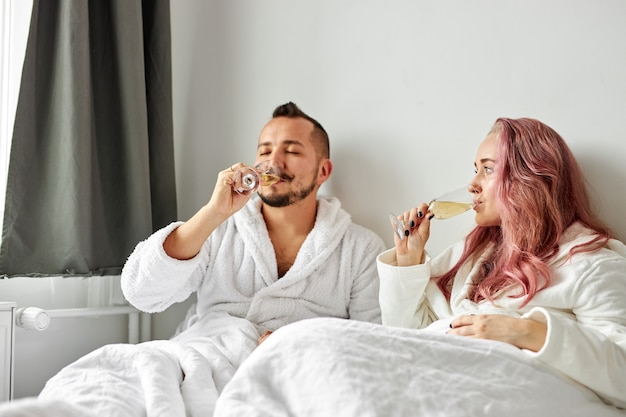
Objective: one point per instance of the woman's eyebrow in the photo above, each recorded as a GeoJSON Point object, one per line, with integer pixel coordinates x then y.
{"type": "Point", "coordinates": [482, 161]}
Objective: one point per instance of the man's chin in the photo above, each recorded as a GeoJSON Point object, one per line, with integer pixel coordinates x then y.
{"type": "Point", "coordinates": [273, 199]}
{"type": "Point", "coordinates": [276, 200]}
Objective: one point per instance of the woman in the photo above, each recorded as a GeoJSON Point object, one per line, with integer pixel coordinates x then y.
{"type": "Point", "coordinates": [539, 271]}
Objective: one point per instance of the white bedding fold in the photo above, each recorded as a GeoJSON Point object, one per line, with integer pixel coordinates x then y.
{"type": "Point", "coordinates": [168, 378]}
{"type": "Point", "coordinates": [328, 367]}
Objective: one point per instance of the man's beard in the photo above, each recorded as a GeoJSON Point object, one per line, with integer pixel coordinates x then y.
{"type": "Point", "coordinates": [289, 198]}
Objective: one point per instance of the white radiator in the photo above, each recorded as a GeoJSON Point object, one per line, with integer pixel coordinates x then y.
{"type": "Point", "coordinates": [34, 318]}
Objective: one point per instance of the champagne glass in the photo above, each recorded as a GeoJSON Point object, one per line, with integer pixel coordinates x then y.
{"type": "Point", "coordinates": [247, 180]}
{"type": "Point", "coordinates": [445, 206]}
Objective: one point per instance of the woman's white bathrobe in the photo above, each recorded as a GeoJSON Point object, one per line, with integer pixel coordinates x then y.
{"type": "Point", "coordinates": [334, 274]}
{"type": "Point", "coordinates": [584, 308]}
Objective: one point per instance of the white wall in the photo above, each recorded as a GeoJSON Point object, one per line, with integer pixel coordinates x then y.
{"type": "Point", "coordinates": [406, 89]}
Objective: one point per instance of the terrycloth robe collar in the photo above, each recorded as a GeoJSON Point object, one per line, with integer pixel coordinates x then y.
{"type": "Point", "coordinates": [330, 226]}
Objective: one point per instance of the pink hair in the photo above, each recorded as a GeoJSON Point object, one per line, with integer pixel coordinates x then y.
{"type": "Point", "coordinates": [541, 192]}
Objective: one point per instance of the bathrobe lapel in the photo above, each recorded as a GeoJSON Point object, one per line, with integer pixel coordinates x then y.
{"type": "Point", "coordinates": [330, 226]}
{"type": "Point", "coordinates": [280, 298]}
{"type": "Point", "coordinates": [249, 222]}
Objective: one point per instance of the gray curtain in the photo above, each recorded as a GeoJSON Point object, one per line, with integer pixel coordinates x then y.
{"type": "Point", "coordinates": [91, 170]}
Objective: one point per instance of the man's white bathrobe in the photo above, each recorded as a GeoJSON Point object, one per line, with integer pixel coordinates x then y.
{"type": "Point", "coordinates": [334, 274]}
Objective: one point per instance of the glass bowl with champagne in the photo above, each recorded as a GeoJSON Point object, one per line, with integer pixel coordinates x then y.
{"type": "Point", "coordinates": [445, 206]}
{"type": "Point", "coordinates": [247, 180]}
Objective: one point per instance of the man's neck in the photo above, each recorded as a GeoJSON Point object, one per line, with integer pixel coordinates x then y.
{"type": "Point", "coordinates": [296, 219]}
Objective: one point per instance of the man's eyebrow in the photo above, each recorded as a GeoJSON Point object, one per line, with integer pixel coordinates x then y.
{"type": "Point", "coordinates": [283, 143]}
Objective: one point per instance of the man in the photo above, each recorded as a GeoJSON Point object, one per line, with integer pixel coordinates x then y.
{"type": "Point", "coordinates": [281, 257]}
{"type": "Point", "coordinates": [256, 263]}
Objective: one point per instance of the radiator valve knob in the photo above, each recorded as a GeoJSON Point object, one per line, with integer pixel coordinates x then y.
{"type": "Point", "coordinates": [32, 318]}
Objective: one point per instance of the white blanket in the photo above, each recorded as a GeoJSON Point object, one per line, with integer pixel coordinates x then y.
{"type": "Point", "coordinates": [332, 367]}
{"type": "Point", "coordinates": [317, 367]}
{"type": "Point", "coordinates": [168, 378]}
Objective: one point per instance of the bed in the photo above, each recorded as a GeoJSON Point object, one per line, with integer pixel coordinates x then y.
{"type": "Point", "coordinates": [316, 367]}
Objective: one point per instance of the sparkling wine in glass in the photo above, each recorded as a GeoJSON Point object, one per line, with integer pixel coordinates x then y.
{"type": "Point", "coordinates": [445, 206]}
{"type": "Point", "coordinates": [270, 174]}
{"type": "Point", "coordinates": [247, 180]}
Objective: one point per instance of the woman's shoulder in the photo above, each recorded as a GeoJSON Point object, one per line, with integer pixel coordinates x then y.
{"type": "Point", "coordinates": [577, 234]}
{"type": "Point", "coordinates": [584, 267]}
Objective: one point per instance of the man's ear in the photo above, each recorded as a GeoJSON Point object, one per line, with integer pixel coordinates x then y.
{"type": "Point", "coordinates": [324, 171]}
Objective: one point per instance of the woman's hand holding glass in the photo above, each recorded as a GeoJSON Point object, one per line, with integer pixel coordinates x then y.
{"type": "Point", "coordinates": [412, 228]}
{"type": "Point", "coordinates": [411, 240]}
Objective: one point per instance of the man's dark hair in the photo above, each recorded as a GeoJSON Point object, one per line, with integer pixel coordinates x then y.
{"type": "Point", "coordinates": [319, 133]}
